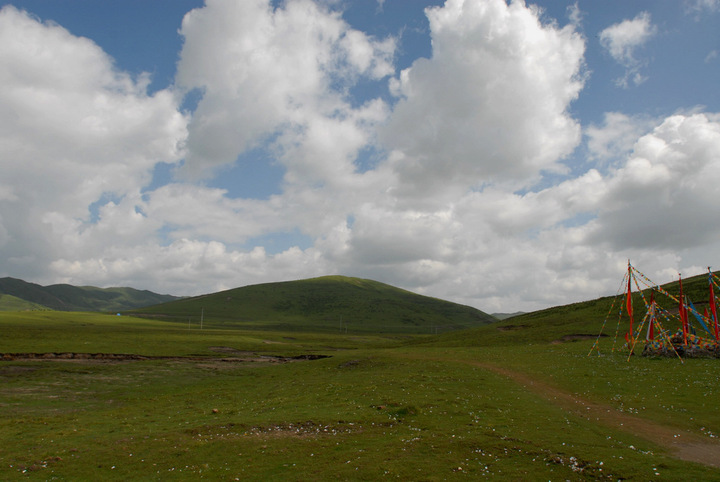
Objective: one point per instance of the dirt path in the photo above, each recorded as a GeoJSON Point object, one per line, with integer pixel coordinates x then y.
{"type": "Point", "coordinates": [239, 357]}
{"type": "Point", "coordinates": [679, 443]}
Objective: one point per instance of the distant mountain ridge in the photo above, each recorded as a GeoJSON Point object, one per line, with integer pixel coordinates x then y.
{"type": "Point", "coordinates": [328, 303]}
{"type": "Point", "coordinates": [64, 297]}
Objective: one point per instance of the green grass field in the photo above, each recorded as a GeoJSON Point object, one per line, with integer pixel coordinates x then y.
{"type": "Point", "coordinates": [503, 401]}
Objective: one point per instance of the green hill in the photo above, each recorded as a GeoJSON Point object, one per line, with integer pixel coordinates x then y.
{"type": "Point", "coordinates": [13, 303]}
{"type": "Point", "coordinates": [329, 303]}
{"type": "Point", "coordinates": [574, 321]}
{"type": "Point", "coordinates": [65, 297]}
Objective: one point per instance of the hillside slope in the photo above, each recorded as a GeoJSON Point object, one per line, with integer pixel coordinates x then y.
{"type": "Point", "coordinates": [574, 321]}
{"type": "Point", "coordinates": [13, 303]}
{"type": "Point", "coordinates": [65, 297]}
{"type": "Point", "coordinates": [334, 303]}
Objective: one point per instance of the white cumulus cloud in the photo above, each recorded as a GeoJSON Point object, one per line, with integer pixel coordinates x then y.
{"type": "Point", "coordinates": [623, 39]}
{"type": "Point", "coordinates": [492, 102]}
{"type": "Point", "coordinates": [613, 141]}
{"type": "Point", "coordinates": [74, 131]}
{"type": "Point", "coordinates": [278, 75]}
{"type": "Point", "coordinates": [664, 196]}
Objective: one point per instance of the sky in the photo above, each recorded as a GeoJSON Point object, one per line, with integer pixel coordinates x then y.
{"type": "Point", "coordinates": [507, 156]}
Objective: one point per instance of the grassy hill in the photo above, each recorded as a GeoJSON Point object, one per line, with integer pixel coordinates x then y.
{"type": "Point", "coordinates": [329, 303]}
{"type": "Point", "coordinates": [13, 303]}
{"type": "Point", "coordinates": [64, 297]}
{"type": "Point", "coordinates": [574, 321]}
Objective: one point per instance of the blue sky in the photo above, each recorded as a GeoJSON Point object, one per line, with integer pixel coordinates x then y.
{"type": "Point", "coordinates": [505, 156]}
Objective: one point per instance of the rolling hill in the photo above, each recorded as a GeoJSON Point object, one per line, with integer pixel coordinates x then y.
{"type": "Point", "coordinates": [13, 303]}
{"type": "Point", "coordinates": [573, 321]}
{"type": "Point", "coordinates": [329, 303]}
{"type": "Point", "coordinates": [64, 297]}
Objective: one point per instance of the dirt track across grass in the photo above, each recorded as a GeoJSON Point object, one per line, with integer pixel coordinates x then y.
{"type": "Point", "coordinates": [679, 443]}
{"type": "Point", "coordinates": [125, 357]}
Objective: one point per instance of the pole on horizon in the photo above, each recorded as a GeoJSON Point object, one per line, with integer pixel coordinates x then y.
{"type": "Point", "coordinates": [682, 312]}
{"type": "Point", "coordinates": [651, 325]}
{"type": "Point", "coordinates": [629, 307]}
{"type": "Point", "coordinates": [713, 306]}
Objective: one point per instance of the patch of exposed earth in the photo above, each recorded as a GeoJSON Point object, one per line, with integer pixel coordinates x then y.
{"type": "Point", "coordinates": [237, 357]}
{"type": "Point", "coordinates": [578, 337]}
{"type": "Point", "coordinates": [511, 327]}
{"type": "Point", "coordinates": [227, 350]}
{"type": "Point", "coordinates": [301, 430]}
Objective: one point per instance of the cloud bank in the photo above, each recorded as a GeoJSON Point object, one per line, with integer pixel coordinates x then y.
{"type": "Point", "coordinates": [471, 194]}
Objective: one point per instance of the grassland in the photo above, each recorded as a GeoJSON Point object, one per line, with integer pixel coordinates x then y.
{"type": "Point", "coordinates": [507, 401]}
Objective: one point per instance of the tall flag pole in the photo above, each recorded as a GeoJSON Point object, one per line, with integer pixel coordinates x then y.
{"type": "Point", "coordinates": [713, 306]}
{"type": "Point", "coordinates": [651, 325]}
{"type": "Point", "coordinates": [628, 303]}
{"type": "Point", "coordinates": [683, 314]}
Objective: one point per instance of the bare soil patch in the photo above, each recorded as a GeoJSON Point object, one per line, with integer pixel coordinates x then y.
{"type": "Point", "coordinates": [240, 357]}
{"type": "Point", "coordinates": [577, 337]}
{"type": "Point", "coordinates": [230, 351]}
{"type": "Point", "coordinates": [283, 430]}
{"type": "Point", "coordinates": [511, 327]}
